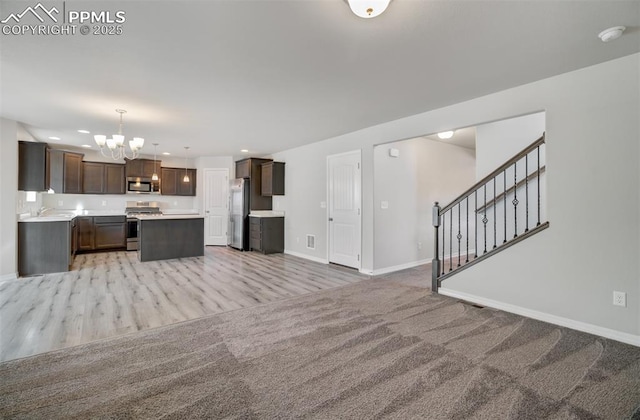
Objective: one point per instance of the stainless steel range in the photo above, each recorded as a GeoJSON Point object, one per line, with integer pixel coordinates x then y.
{"type": "Point", "coordinates": [134, 209]}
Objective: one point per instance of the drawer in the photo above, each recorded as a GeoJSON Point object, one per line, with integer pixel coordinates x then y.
{"type": "Point", "coordinates": [255, 244]}
{"type": "Point", "coordinates": [109, 219]}
{"type": "Point", "coordinates": [255, 234]}
{"type": "Point", "coordinates": [254, 221]}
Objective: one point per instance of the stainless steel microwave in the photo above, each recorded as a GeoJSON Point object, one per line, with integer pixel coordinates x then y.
{"type": "Point", "coordinates": [136, 185]}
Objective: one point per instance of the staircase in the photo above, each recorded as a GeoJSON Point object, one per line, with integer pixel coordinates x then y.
{"type": "Point", "coordinates": [497, 212]}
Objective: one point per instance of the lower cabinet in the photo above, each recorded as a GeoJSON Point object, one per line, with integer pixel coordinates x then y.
{"type": "Point", "coordinates": [266, 234]}
{"type": "Point", "coordinates": [44, 247]}
{"type": "Point", "coordinates": [101, 232]}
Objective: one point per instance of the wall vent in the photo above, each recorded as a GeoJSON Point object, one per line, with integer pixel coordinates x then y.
{"type": "Point", "coordinates": [311, 241]}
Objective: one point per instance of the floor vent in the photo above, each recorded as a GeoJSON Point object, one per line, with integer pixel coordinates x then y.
{"type": "Point", "coordinates": [311, 241]}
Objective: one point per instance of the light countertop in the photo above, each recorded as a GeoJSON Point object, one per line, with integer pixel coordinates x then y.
{"type": "Point", "coordinates": [266, 213]}
{"type": "Point", "coordinates": [170, 217]}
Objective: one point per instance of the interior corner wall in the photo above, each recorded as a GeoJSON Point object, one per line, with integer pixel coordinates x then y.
{"type": "Point", "coordinates": [499, 141]}
{"type": "Point", "coordinates": [425, 171]}
{"type": "Point", "coordinates": [9, 190]}
{"type": "Point", "coordinates": [593, 160]}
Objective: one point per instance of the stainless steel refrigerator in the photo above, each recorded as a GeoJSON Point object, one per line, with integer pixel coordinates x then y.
{"type": "Point", "coordinates": [239, 214]}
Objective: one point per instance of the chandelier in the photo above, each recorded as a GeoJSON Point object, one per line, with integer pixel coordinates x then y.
{"type": "Point", "coordinates": [116, 143]}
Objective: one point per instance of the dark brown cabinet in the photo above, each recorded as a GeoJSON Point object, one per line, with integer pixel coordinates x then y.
{"type": "Point", "coordinates": [32, 166]}
{"type": "Point", "coordinates": [101, 232]}
{"type": "Point", "coordinates": [65, 171]}
{"type": "Point", "coordinates": [256, 200]}
{"type": "Point", "coordinates": [171, 181]}
{"type": "Point", "coordinates": [103, 178]}
{"type": "Point", "coordinates": [272, 178]}
{"type": "Point", "coordinates": [141, 168]}
{"type": "Point", "coordinates": [266, 234]}
{"type": "Point", "coordinates": [45, 247]}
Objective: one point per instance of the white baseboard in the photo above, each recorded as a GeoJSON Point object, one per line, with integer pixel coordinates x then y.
{"type": "Point", "coordinates": [306, 257]}
{"type": "Point", "coordinates": [391, 269]}
{"type": "Point", "coordinates": [7, 277]}
{"type": "Point", "coordinates": [542, 316]}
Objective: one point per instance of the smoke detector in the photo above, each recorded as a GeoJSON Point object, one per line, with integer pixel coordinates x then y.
{"type": "Point", "coordinates": [611, 33]}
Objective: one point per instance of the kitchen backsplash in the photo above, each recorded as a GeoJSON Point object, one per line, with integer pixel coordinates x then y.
{"type": "Point", "coordinates": [111, 202]}
{"type": "Point", "coordinates": [28, 202]}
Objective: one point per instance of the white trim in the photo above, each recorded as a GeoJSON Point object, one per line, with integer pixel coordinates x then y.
{"type": "Point", "coordinates": [366, 271]}
{"type": "Point", "coordinates": [399, 267]}
{"type": "Point", "coordinates": [7, 277]}
{"type": "Point", "coordinates": [542, 316]}
{"type": "Point", "coordinates": [306, 257]}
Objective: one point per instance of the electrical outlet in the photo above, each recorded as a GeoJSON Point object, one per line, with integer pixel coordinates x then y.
{"type": "Point", "coordinates": [60, 203]}
{"type": "Point", "coordinates": [384, 205]}
{"type": "Point", "coordinates": [619, 298]}
{"type": "Point", "coordinates": [419, 245]}
{"type": "Point", "coordinates": [104, 202]}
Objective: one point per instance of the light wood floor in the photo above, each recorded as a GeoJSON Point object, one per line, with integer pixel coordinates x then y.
{"type": "Point", "coordinates": [110, 294]}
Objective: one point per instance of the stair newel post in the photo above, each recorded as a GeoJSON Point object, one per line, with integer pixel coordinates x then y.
{"type": "Point", "coordinates": [435, 263]}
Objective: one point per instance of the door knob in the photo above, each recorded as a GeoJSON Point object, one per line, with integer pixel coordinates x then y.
{"type": "Point", "coordinates": [331, 219]}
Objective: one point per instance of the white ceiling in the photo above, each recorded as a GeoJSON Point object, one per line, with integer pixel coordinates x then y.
{"type": "Point", "coordinates": [220, 76]}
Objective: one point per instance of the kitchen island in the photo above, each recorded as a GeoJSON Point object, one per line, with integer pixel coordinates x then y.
{"type": "Point", "coordinates": [170, 236]}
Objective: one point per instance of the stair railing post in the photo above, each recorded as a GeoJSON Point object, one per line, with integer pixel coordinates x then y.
{"type": "Point", "coordinates": [435, 263]}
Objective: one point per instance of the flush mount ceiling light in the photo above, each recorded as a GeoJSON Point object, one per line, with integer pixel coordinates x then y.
{"type": "Point", "coordinates": [445, 135]}
{"type": "Point", "coordinates": [54, 138]}
{"type": "Point", "coordinates": [611, 33]}
{"type": "Point", "coordinates": [84, 131]}
{"type": "Point", "coordinates": [116, 143]}
{"type": "Point", "coordinates": [368, 8]}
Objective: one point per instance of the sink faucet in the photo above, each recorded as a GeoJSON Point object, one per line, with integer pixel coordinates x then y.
{"type": "Point", "coordinates": [42, 210]}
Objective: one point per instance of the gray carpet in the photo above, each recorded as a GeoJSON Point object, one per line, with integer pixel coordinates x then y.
{"type": "Point", "coordinates": [377, 349]}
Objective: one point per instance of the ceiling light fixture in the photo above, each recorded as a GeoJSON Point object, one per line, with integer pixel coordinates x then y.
{"type": "Point", "coordinates": [445, 135]}
{"type": "Point", "coordinates": [611, 33]}
{"type": "Point", "coordinates": [84, 131]}
{"type": "Point", "coordinates": [166, 153]}
{"type": "Point", "coordinates": [86, 146]}
{"type": "Point", "coordinates": [244, 151]}
{"type": "Point", "coordinates": [116, 143]}
{"type": "Point", "coordinates": [54, 138]}
{"type": "Point", "coordinates": [368, 8]}
{"type": "Point", "coordinates": [154, 177]}
{"type": "Point", "coordinates": [186, 176]}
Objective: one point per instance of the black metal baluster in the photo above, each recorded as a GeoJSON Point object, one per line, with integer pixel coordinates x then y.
{"type": "Point", "coordinates": [538, 148]}
{"type": "Point", "coordinates": [515, 199]}
{"type": "Point", "coordinates": [466, 260]}
{"type": "Point", "coordinates": [451, 239]}
{"type": "Point", "coordinates": [484, 219]}
{"type": "Point", "coordinates": [526, 191]}
{"type": "Point", "coordinates": [495, 232]}
{"type": "Point", "coordinates": [475, 224]}
{"type": "Point", "coordinates": [444, 228]}
{"type": "Point", "coordinates": [505, 205]}
{"type": "Point", "coordinates": [459, 234]}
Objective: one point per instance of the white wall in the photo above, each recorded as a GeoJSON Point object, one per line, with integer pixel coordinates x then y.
{"type": "Point", "coordinates": [9, 185]}
{"type": "Point", "coordinates": [426, 171]}
{"type": "Point", "coordinates": [593, 157]}
{"type": "Point", "coordinates": [499, 141]}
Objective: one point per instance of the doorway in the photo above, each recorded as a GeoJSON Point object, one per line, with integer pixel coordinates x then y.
{"type": "Point", "coordinates": [344, 208]}
{"type": "Point", "coordinates": [216, 206]}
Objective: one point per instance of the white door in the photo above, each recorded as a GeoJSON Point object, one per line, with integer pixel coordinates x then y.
{"type": "Point", "coordinates": [344, 208]}
{"type": "Point", "coordinates": [216, 206]}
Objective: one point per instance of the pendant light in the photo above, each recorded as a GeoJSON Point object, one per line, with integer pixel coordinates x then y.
{"type": "Point", "coordinates": [186, 175]}
{"type": "Point", "coordinates": [154, 177]}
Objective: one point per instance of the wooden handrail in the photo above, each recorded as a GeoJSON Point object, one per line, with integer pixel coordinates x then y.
{"type": "Point", "coordinates": [493, 174]}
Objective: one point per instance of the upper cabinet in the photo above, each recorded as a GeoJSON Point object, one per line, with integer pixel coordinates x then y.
{"type": "Point", "coordinates": [272, 178]}
{"type": "Point", "coordinates": [171, 181]}
{"type": "Point", "coordinates": [141, 168]}
{"type": "Point", "coordinates": [252, 168]}
{"type": "Point", "coordinates": [65, 171]}
{"type": "Point", "coordinates": [103, 178]}
{"type": "Point", "coordinates": [32, 166]}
